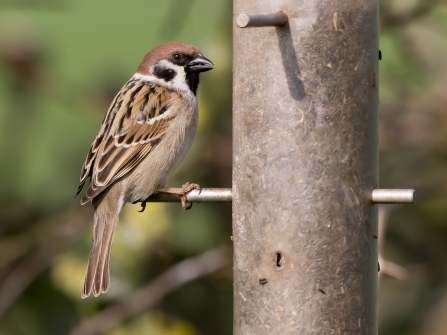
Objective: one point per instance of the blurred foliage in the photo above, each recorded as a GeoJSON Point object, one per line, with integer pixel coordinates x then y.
{"type": "Point", "coordinates": [413, 154]}
{"type": "Point", "coordinates": [61, 63]}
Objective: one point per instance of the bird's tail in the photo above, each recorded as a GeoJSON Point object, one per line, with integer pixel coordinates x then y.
{"type": "Point", "coordinates": [97, 276]}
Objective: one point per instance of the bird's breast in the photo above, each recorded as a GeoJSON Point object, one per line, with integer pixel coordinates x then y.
{"type": "Point", "coordinates": [154, 171]}
{"type": "Point", "coordinates": [183, 135]}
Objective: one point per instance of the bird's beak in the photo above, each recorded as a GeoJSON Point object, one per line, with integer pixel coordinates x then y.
{"type": "Point", "coordinates": [200, 64]}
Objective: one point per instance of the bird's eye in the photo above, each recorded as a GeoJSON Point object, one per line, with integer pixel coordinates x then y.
{"type": "Point", "coordinates": [177, 57]}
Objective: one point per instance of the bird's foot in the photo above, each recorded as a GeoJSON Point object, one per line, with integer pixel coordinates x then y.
{"type": "Point", "coordinates": [182, 192]}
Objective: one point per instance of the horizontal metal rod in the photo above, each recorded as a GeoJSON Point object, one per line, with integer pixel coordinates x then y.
{"type": "Point", "coordinates": [267, 20]}
{"type": "Point", "coordinates": [393, 196]}
{"type": "Point", "coordinates": [379, 196]}
{"type": "Point", "coordinates": [206, 195]}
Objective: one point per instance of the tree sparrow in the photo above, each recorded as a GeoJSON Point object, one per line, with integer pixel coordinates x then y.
{"type": "Point", "coordinates": [144, 136]}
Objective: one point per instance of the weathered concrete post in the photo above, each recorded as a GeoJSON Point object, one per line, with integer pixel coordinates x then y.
{"type": "Point", "coordinates": [305, 159]}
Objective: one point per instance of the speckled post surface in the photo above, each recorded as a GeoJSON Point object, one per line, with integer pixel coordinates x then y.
{"type": "Point", "coordinates": [305, 162]}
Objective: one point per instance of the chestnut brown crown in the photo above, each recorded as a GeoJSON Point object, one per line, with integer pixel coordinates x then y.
{"type": "Point", "coordinates": [166, 51]}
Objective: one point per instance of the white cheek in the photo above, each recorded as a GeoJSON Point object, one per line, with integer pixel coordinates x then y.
{"type": "Point", "coordinates": [179, 80]}
{"type": "Point", "coordinates": [177, 84]}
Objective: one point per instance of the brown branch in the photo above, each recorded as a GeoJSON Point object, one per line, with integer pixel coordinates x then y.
{"type": "Point", "coordinates": [176, 276]}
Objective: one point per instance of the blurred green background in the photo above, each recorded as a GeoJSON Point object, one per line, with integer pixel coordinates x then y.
{"type": "Point", "coordinates": [61, 63]}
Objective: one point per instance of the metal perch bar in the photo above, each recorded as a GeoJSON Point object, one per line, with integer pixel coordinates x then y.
{"type": "Point", "coordinates": [268, 20]}
{"type": "Point", "coordinates": [206, 195]}
{"type": "Point", "coordinates": [379, 196]}
{"type": "Point", "coordinates": [393, 196]}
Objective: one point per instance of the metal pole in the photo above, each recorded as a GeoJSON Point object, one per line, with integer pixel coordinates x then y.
{"type": "Point", "coordinates": [305, 157]}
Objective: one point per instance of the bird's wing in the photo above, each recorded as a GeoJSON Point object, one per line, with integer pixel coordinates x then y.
{"type": "Point", "coordinates": [135, 123]}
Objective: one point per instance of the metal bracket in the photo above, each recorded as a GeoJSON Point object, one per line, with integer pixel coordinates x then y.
{"type": "Point", "coordinates": [379, 196]}
{"type": "Point", "coordinates": [266, 20]}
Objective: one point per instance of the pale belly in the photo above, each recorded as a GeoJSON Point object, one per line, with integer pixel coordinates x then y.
{"type": "Point", "coordinates": [154, 171]}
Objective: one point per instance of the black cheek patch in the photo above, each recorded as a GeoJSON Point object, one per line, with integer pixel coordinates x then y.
{"type": "Point", "coordinates": [165, 74]}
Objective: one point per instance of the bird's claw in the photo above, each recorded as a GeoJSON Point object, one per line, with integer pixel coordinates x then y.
{"type": "Point", "coordinates": [186, 188]}
{"type": "Point", "coordinates": [182, 192]}
{"type": "Point", "coordinates": [185, 205]}
{"type": "Point", "coordinates": [143, 206]}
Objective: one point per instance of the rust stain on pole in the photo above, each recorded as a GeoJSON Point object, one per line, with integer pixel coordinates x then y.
{"type": "Point", "coordinates": [305, 159]}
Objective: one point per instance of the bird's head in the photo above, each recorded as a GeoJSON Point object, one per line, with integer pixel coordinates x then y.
{"type": "Point", "coordinates": [175, 65]}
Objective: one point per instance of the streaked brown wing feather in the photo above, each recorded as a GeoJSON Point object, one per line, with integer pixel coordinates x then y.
{"type": "Point", "coordinates": [110, 115]}
{"type": "Point", "coordinates": [128, 133]}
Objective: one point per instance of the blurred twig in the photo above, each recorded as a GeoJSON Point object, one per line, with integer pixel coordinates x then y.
{"type": "Point", "coordinates": [388, 20]}
{"type": "Point", "coordinates": [15, 247]}
{"type": "Point", "coordinates": [387, 267]}
{"type": "Point", "coordinates": [176, 17]}
{"type": "Point", "coordinates": [22, 275]}
{"type": "Point", "coordinates": [54, 5]}
{"type": "Point", "coordinates": [177, 275]}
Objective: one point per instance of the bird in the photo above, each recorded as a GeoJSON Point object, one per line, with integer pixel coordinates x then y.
{"type": "Point", "coordinates": [145, 134]}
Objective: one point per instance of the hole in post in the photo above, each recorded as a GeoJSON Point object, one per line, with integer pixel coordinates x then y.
{"type": "Point", "coordinates": [279, 260]}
